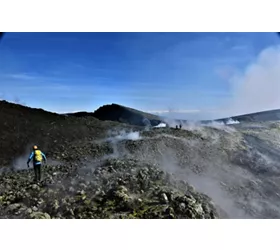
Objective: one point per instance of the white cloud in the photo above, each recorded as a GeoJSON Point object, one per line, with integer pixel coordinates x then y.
{"type": "Point", "coordinates": [21, 76]}
{"type": "Point", "coordinates": [258, 88]}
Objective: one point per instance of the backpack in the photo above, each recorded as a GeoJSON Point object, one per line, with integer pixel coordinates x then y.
{"type": "Point", "coordinates": [38, 156]}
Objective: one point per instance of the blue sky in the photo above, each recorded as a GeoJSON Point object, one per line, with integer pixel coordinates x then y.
{"type": "Point", "coordinates": [65, 72]}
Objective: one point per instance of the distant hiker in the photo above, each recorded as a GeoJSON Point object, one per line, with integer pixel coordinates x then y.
{"type": "Point", "coordinates": [176, 127]}
{"type": "Point", "coordinates": [37, 156]}
{"type": "Point", "coordinates": [180, 126]}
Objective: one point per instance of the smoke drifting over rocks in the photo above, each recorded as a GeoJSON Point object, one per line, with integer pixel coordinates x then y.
{"type": "Point", "coordinates": [124, 135]}
{"type": "Point", "coordinates": [236, 165]}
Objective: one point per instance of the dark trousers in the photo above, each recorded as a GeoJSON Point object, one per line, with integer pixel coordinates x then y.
{"type": "Point", "coordinates": [37, 172]}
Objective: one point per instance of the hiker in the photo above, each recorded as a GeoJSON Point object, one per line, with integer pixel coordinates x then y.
{"type": "Point", "coordinates": [37, 156]}
{"type": "Point", "coordinates": [180, 126]}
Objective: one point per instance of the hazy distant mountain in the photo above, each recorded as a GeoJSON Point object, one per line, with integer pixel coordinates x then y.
{"type": "Point", "coordinates": [271, 115]}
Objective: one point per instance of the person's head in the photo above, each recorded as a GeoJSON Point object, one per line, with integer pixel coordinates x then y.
{"type": "Point", "coordinates": [35, 147]}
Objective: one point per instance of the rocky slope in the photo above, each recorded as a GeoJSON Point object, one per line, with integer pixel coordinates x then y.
{"type": "Point", "coordinates": [85, 176]}
{"type": "Point", "coordinates": [113, 189]}
{"type": "Point", "coordinates": [21, 127]}
{"type": "Point", "coordinates": [237, 166]}
{"type": "Point", "coordinates": [112, 170]}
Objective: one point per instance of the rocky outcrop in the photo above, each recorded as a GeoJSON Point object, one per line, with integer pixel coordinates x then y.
{"type": "Point", "coordinates": [115, 112]}
{"type": "Point", "coordinates": [113, 189]}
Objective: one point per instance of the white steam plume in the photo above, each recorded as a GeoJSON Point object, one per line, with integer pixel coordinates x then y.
{"type": "Point", "coordinates": [254, 90]}
{"type": "Point", "coordinates": [114, 137]}
{"type": "Point", "coordinates": [231, 121]}
{"type": "Point", "coordinates": [258, 89]}
{"type": "Point", "coordinates": [123, 135]}
{"type": "Point", "coordinates": [161, 125]}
